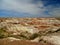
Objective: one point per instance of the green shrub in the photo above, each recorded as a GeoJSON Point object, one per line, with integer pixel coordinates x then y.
{"type": "Point", "coordinates": [3, 33]}
{"type": "Point", "coordinates": [34, 36]}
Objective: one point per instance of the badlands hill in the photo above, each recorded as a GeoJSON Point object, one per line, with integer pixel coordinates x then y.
{"type": "Point", "coordinates": [29, 31]}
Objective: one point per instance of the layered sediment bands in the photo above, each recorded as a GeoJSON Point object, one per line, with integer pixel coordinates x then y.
{"type": "Point", "coordinates": [29, 31]}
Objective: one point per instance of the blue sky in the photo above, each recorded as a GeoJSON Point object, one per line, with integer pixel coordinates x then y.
{"type": "Point", "coordinates": [29, 8]}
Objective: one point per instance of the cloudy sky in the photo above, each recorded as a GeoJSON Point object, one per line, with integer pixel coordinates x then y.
{"type": "Point", "coordinates": [29, 8]}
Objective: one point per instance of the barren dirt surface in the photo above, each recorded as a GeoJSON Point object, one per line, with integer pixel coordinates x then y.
{"type": "Point", "coordinates": [29, 31]}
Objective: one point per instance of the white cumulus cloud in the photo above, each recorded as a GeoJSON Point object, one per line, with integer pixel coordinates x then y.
{"type": "Point", "coordinates": [21, 6]}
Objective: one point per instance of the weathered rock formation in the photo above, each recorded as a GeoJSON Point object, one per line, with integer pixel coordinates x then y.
{"type": "Point", "coordinates": [29, 31]}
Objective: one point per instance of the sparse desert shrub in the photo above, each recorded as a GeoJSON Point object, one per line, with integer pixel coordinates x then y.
{"type": "Point", "coordinates": [34, 36]}
{"type": "Point", "coordinates": [3, 33]}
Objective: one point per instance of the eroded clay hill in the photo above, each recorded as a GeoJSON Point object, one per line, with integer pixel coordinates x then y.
{"type": "Point", "coordinates": [29, 31]}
